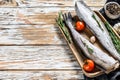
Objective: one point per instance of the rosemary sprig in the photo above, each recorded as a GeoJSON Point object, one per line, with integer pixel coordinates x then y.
{"type": "Point", "coordinates": [115, 39]}
{"type": "Point", "coordinates": [60, 22]}
{"type": "Point", "coordinates": [97, 22]}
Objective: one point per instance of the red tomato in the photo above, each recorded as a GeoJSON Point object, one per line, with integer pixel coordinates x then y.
{"type": "Point", "coordinates": [89, 65]}
{"type": "Point", "coordinates": [80, 26]}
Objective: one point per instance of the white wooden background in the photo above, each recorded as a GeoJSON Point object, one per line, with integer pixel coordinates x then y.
{"type": "Point", "coordinates": [31, 44]}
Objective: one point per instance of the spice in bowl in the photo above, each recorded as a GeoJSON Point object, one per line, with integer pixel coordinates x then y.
{"type": "Point", "coordinates": [112, 10]}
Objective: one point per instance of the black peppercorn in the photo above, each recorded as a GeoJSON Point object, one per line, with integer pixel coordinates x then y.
{"type": "Point", "coordinates": [113, 9]}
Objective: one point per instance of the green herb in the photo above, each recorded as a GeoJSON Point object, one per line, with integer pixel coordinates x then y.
{"type": "Point", "coordinates": [83, 43]}
{"type": "Point", "coordinates": [115, 39]}
{"type": "Point", "coordinates": [97, 22]}
{"type": "Point", "coordinates": [89, 49]}
{"type": "Point", "coordinates": [60, 22]}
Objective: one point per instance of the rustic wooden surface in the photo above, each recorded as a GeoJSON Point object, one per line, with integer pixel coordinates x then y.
{"type": "Point", "coordinates": [31, 45]}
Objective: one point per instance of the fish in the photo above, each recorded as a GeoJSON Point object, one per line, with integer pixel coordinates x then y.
{"type": "Point", "coordinates": [97, 27]}
{"type": "Point", "coordinates": [94, 53]}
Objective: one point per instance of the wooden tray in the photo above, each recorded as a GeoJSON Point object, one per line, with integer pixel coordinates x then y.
{"type": "Point", "coordinates": [78, 55]}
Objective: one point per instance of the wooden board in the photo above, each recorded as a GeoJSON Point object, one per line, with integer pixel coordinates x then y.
{"type": "Point", "coordinates": [31, 45]}
{"type": "Point", "coordinates": [37, 57]}
{"type": "Point", "coordinates": [47, 3]}
{"type": "Point", "coordinates": [30, 35]}
{"type": "Point", "coordinates": [41, 75]}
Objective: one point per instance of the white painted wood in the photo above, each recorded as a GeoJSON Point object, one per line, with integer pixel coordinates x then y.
{"type": "Point", "coordinates": [31, 15]}
{"type": "Point", "coordinates": [37, 57]}
{"type": "Point", "coordinates": [47, 3]}
{"type": "Point", "coordinates": [30, 34]}
{"type": "Point", "coordinates": [41, 75]}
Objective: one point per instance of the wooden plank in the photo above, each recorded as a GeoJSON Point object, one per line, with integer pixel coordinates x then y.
{"type": "Point", "coordinates": [30, 35]}
{"type": "Point", "coordinates": [7, 3]}
{"type": "Point", "coordinates": [63, 3]}
{"type": "Point", "coordinates": [47, 3]}
{"type": "Point", "coordinates": [37, 57]}
{"type": "Point", "coordinates": [31, 15]}
{"type": "Point", "coordinates": [41, 75]}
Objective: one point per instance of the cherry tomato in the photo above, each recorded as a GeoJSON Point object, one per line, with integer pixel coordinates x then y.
{"type": "Point", "coordinates": [80, 26]}
{"type": "Point", "coordinates": [88, 65]}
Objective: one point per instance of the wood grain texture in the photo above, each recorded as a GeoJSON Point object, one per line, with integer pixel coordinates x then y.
{"type": "Point", "coordinates": [30, 35]}
{"type": "Point", "coordinates": [8, 3]}
{"type": "Point", "coordinates": [37, 57]}
{"type": "Point", "coordinates": [31, 15]}
{"type": "Point", "coordinates": [41, 75]}
{"type": "Point", "coordinates": [20, 26]}
{"type": "Point", "coordinates": [47, 3]}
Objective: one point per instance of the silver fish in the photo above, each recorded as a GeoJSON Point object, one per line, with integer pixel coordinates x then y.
{"type": "Point", "coordinates": [97, 55]}
{"type": "Point", "coordinates": [86, 14]}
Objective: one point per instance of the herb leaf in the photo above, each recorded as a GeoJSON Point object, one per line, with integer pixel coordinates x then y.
{"type": "Point", "coordinates": [115, 39]}
{"type": "Point", "coordinates": [97, 22]}
{"type": "Point", "coordinates": [60, 22]}
{"type": "Point", "coordinates": [89, 49]}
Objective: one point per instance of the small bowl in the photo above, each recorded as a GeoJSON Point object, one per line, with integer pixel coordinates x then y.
{"type": "Point", "coordinates": [112, 13]}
